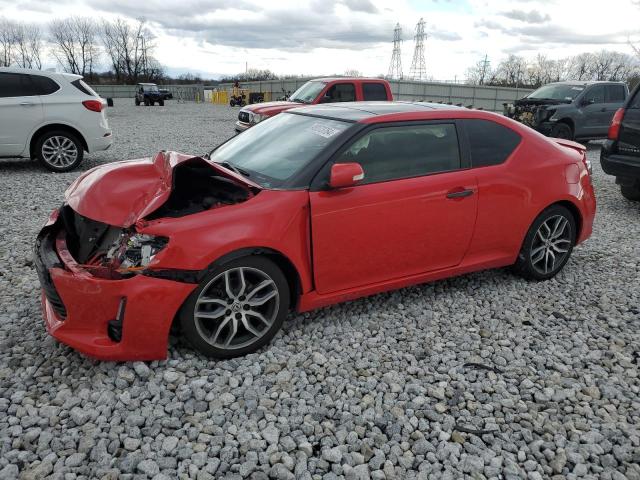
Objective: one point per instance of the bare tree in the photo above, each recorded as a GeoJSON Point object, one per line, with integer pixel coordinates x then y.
{"type": "Point", "coordinates": [511, 71]}
{"type": "Point", "coordinates": [75, 44]}
{"type": "Point", "coordinates": [7, 41]}
{"type": "Point", "coordinates": [481, 73]}
{"type": "Point", "coordinates": [130, 50]}
{"type": "Point", "coordinates": [28, 46]}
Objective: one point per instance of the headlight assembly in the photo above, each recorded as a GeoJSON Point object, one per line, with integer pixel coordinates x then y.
{"type": "Point", "coordinates": [256, 117]}
{"type": "Point", "coordinates": [134, 252]}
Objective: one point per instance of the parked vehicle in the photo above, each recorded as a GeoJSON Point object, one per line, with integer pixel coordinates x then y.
{"type": "Point", "coordinates": [342, 201]}
{"type": "Point", "coordinates": [620, 154]}
{"type": "Point", "coordinates": [320, 90]}
{"type": "Point", "coordinates": [149, 94]}
{"type": "Point", "coordinates": [571, 110]}
{"type": "Point", "coordinates": [166, 94]}
{"type": "Point", "coordinates": [54, 117]}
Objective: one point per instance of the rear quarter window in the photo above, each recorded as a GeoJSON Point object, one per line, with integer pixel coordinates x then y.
{"type": "Point", "coordinates": [374, 91]}
{"type": "Point", "coordinates": [490, 143]}
{"type": "Point", "coordinates": [84, 88]}
{"type": "Point", "coordinates": [44, 85]}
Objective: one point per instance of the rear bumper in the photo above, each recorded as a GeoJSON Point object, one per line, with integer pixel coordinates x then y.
{"type": "Point", "coordinates": [77, 306]}
{"type": "Point", "coordinates": [623, 166]}
{"type": "Point", "coordinates": [101, 143]}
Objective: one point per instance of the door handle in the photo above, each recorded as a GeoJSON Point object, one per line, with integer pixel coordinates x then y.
{"type": "Point", "coordinates": [27, 104]}
{"type": "Point", "coordinates": [460, 194]}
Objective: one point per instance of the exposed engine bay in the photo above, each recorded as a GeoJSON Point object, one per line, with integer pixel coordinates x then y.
{"type": "Point", "coordinates": [531, 112]}
{"type": "Point", "coordinates": [115, 252]}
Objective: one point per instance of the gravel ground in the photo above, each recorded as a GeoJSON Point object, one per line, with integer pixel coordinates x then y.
{"type": "Point", "coordinates": [376, 388]}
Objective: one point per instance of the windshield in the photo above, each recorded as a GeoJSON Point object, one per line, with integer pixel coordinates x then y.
{"type": "Point", "coordinates": [275, 149]}
{"type": "Point", "coordinates": [307, 93]}
{"type": "Point", "coordinates": [150, 88]}
{"type": "Point", "coordinates": [559, 91]}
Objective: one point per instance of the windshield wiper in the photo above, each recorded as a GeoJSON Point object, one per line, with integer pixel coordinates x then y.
{"type": "Point", "coordinates": [297, 100]}
{"type": "Point", "coordinates": [233, 168]}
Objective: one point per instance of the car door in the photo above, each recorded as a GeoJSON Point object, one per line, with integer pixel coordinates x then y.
{"type": "Point", "coordinates": [594, 117]}
{"type": "Point", "coordinates": [414, 211]}
{"type": "Point", "coordinates": [20, 112]}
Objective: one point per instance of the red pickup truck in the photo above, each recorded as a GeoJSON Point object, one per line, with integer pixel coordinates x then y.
{"type": "Point", "coordinates": [319, 90]}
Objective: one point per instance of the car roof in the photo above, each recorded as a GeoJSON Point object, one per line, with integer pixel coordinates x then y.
{"type": "Point", "coordinates": [145, 83]}
{"type": "Point", "coordinates": [351, 79]}
{"type": "Point", "coordinates": [582, 82]}
{"type": "Point", "coordinates": [359, 111]}
{"type": "Point", "coordinates": [44, 73]}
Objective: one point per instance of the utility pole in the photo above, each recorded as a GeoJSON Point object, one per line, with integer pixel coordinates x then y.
{"type": "Point", "coordinates": [144, 57]}
{"type": "Point", "coordinates": [395, 68]}
{"type": "Point", "coordinates": [418, 69]}
{"type": "Point", "coordinates": [485, 67]}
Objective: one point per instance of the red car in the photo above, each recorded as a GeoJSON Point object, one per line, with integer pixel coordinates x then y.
{"type": "Point", "coordinates": [313, 207]}
{"type": "Point", "coordinates": [319, 90]}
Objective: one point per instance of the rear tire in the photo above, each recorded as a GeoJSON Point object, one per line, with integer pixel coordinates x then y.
{"type": "Point", "coordinates": [237, 309]}
{"type": "Point", "coordinates": [161, 103]}
{"type": "Point", "coordinates": [137, 102]}
{"type": "Point", "coordinates": [146, 102]}
{"type": "Point", "coordinates": [59, 151]}
{"type": "Point", "coordinates": [562, 130]}
{"type": "Point", "coordinates": [631, 192]}
{"type": "Point", "coordinates": [547, 245]}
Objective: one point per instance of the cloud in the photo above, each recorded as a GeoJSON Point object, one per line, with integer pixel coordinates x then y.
{"type": "Point", "coordinates": [532, 16]}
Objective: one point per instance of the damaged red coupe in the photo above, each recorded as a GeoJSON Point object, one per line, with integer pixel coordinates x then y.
{"type": "Point", "coordinates": [315, 206]}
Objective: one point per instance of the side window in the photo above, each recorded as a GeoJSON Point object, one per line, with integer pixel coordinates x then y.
{"type": "Point", "coordinates": [390, 153]}
{"type": "Point", "coordinates": [342, 92]}
{"type": "Point", "coordinates": [614, 94]}
{"type": "Point", "coordinates": [595, 94]}
{"type": "Point", "coordinates": [15, 85]}
{"type": "Point", "coordinates": [44, 85]}
{"type": "Point", "coordinates": [374, 91]}
{"type": "Point", "coordinates": [490, 142]}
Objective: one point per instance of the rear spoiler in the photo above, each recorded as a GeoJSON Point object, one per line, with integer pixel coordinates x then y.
{"type": "Point", "coordinates": [570, 144]}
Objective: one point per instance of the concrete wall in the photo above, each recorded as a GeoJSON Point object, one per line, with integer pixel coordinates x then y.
{"type": "Point", "coordinates": [488, 98]}
{"type": "Point", "coordinates": [180, 92]}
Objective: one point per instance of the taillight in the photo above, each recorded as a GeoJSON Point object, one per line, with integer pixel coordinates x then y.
{"type": "Point", "coordinates": [614, 128]}
{"type": "Point", "coordinates": [93, 105]}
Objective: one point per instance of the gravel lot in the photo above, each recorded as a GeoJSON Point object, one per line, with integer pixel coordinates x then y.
{"type": "Point", "coordinates": [376, 388]}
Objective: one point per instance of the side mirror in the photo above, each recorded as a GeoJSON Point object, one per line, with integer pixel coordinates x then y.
{"type": "Point", "coordinates": [345, 175]}
{"type": "Point", "coordinates": [326, 99]}
{"type": "Point", "coordinates": [589, 101]}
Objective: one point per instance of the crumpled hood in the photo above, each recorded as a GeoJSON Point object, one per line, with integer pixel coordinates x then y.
{"type": "Point", "coordinates": [271, 108]}
{"type": "Point", "coordinates": [122, 193]}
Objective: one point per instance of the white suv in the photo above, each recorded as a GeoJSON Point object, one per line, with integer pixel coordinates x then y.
{"type": "Point", "coordinates": [54, 117]}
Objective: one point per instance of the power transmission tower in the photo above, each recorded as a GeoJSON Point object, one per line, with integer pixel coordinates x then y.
{"type": "Point", "coordinates": [418, 69]}
{"type": "Point", "coordinates": [395, 68]}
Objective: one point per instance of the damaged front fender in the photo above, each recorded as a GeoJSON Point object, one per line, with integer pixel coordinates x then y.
{"type": "Point", "coordinates": [123, 193]}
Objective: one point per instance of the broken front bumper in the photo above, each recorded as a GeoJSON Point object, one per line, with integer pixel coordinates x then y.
{"type": "Point", "coordinates": [126, 319]}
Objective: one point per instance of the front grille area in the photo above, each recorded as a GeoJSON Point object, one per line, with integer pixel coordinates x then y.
{"type": "Point", "coordinates": [243, 117]}
{"type": "Point", "coordinates": [45, 258]}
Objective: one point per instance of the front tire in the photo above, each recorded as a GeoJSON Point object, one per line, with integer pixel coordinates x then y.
{"type": "Point", "coordinates": [59, 151]}
{"type": "Point", "coordinates": [161, 103]}
{"type": "Point", "coordinates": [631, 192]}
{"type": "Point", "coordinates": [137, 102]}
{"type": "Point", "coordinates": [547, 245]}
{"type": "Point", "coordinates": [237, 309]}
{"type": "Point", "coordinates": [562, 130]}
{"type": "Point", "coordinates": [146, 102]}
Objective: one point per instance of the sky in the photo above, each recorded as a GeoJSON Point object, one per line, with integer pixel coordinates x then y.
{"type": "Point", "coordinates": [323, 37]}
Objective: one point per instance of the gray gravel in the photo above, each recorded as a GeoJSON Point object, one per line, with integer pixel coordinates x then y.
{"type": "Point", "coordinates": [375, 388]}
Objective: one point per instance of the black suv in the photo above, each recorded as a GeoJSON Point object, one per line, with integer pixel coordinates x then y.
{"type": "Point", "coordinates": [148, 93]}
{"type": "Point", "coordinates": [620, 155]}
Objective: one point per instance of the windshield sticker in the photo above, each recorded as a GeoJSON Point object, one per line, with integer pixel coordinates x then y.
{"type": "Point", "coordinates": [325, 131]}
{"type": "Point", "coordinates": [577, 88]}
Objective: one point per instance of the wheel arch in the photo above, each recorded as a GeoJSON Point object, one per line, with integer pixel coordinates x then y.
{"type": "Point", "coordinates": [281, 260]}
{"type": "Point", "coordinates": [573, 209]}
{"type": "Point", "coordinates": [52, 127]}
{"type": "Point", "coordinates": [569, 121]}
